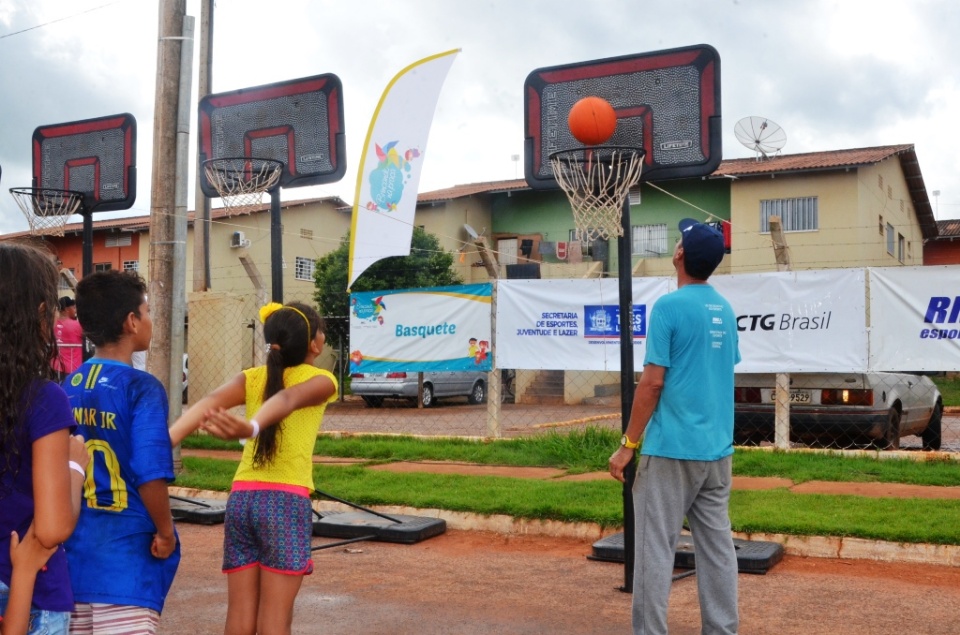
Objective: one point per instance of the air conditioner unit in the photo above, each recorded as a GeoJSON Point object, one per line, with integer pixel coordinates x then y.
{"type": "Point", "coordinates": [238, 240]}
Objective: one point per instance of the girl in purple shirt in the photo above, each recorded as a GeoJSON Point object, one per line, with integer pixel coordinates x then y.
{"type": "Point", "coordinates": [41, 466]}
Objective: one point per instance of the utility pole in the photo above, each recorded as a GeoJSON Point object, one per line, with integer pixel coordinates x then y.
{"type": "Point", "coordinates": [163, 187]}
{"type": "Point", "coordinates": [201, 206]}
{"type": "Point", "coordinates": [781, 433]}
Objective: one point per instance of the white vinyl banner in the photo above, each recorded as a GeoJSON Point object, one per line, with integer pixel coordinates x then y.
{"type": "Point", "coordinates": [799, 321]}
{"type": "Point", "coordinates": [569, 324]}
{"type": "Point", "coordinates": [805, 321]}
{"type": "Point", "coordinates": [915, 318]}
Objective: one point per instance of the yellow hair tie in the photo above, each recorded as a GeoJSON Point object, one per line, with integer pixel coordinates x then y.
{"type": "Point", "coordinates": [269, 309]}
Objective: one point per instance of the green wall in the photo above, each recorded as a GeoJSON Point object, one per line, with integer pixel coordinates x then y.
{"type": "Point", "coordinates": [549, 214]}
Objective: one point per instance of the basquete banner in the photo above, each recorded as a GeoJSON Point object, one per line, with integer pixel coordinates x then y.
{"type": "Point", "coordinates": [421, 330]}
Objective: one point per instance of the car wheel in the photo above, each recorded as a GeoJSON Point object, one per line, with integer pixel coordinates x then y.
{"type": "Point", "coordinates": [891, 437]}
{"type": "Point", "coordinates": [478, 393]}
{"type": "Point", "coordinates": [931, 436]}
{"type": "Point", "coordinates": [373, 402]}
{"type": "Point", "coordinates": [427, 395]}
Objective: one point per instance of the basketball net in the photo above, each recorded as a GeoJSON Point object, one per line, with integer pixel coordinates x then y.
{"type": "Point", "coordinates": [597, 181]}
{"type": "Point", "coordinates": [241, 182]}
{"type": "Point", "coordinates": [45, 209]}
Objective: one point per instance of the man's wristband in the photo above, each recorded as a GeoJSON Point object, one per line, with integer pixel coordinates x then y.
{"type": "Point", "coordinates": [76, 468]}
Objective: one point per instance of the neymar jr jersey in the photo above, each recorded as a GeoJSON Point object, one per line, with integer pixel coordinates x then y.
{"type": "Point", "coordinates": [122, 414]}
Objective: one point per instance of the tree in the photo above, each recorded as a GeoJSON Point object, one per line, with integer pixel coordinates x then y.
{"type": "Point", "coordinates": [428, 265]}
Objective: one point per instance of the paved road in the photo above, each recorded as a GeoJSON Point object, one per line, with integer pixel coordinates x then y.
{"type": "Point", "coordinates": [457, 418]}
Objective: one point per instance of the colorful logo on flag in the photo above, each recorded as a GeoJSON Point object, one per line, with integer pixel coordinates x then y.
{"type": "Point", "coordinates": [389, 177]}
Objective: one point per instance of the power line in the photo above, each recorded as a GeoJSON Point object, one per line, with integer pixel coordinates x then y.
{"type": "Point", "coordinates": [68, 17]}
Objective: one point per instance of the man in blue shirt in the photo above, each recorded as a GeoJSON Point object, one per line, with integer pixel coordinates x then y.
{"type": "Point", "coordinates": [683, 408]}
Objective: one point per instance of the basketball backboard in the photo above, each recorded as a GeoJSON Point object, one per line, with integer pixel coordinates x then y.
{"type": "Point", "coordinates": [298, 122]}
{"type": "Point", "coordinates": [94, 157]}
{"type": "Point", "coordinates": [667, 104]}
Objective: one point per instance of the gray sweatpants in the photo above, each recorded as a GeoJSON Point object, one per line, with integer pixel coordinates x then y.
{"type": "Point", "coordinates": [664, 492]}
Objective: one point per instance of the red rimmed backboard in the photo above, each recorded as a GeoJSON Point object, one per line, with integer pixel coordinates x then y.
{"type": "Point", "coordinates": [298, 122]}
{"type": "Point", "coordinates": [667, 104]}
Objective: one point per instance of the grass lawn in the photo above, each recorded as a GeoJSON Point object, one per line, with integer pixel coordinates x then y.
{"type": "Point", "coordinates": [949, 389]}
{"type": "Point", "coordinates": [771, 511]}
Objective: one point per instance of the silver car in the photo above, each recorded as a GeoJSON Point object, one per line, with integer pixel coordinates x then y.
{"type": "Point", "coordinates": [375, 387]}
{"type": "Point", "coordinates": [841, 409]}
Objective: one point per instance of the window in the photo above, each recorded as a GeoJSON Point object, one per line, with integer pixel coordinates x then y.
{"type": "Point", "coordinates": [306, 233]}
{"type": "Point", "coordinates": [889, 192]}
{"type": "Point", "coordinates": [119, 240]}
{"type": "Point", "coordinates": [881, 225]}
{"type": "Point", "coordinates": [131, 265]}
{"type": "Point", "coordinates": [900, 247]}
{"type": "Point", "coordinates": [880, 181]}
{"type": "Point", "coordinates": [303, 269]}
{"type": "Point", "coordinates": [889, 239]}
{"type": "Point", "coordinates": [796, 214]}
{"type": "Point", "coordinates": [649, 240]}
{"type": "Point", "coordinates": [102, 266]}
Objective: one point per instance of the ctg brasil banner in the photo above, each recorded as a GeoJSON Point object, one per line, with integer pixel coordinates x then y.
{"type": "Point", "coordinates": [805, 321]}
{"type": "Point", "coordinates": [420, 330]}
{"type": "Point", "coordinates": [799, 321]}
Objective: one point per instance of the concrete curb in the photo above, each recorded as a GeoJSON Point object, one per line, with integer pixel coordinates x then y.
{"type": "Point", "coordinates": [805, 546]}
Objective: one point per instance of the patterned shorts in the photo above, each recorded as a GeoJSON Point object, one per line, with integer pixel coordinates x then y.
{"type": "Point", "coordinates": [270, 529]}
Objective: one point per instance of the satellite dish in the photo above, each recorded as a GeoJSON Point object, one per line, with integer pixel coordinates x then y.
{"type": "Point", "coordinates": [761, 135]}
{"type": "Point", "coordinates": [471, 232]}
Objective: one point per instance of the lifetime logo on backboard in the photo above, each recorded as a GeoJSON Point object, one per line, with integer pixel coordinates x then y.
{"type": "Point", "coordinates": [603, 321]}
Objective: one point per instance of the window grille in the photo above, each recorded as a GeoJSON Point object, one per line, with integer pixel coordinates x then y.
{"type": "Point", "coordinates": [796, 214]}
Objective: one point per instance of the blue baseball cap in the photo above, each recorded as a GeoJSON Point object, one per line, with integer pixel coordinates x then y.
{"type": "Point", "coordinates": [702, 247]}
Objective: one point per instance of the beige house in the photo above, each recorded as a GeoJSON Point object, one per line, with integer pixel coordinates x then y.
{"type": "Point", "coordinates": [864, 207]}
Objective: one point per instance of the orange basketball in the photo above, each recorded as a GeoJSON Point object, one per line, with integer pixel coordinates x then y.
{"type": "Point", "coordinates": [592, 120]}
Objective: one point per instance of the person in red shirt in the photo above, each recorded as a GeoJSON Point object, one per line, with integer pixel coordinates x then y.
{"type": "Point", "coordinates": [69, 338]}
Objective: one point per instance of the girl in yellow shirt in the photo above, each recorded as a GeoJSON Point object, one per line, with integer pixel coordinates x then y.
{"type": "Point", "coordinates": [266, 550]}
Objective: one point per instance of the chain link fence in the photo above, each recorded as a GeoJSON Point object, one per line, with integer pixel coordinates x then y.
{"type": "Point", "coordinates": [833, 410]}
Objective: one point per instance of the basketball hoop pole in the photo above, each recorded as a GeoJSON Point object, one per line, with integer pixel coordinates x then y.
{"type": "Point", "coordinates": [276, 246]}
{"type": "Point", "coordinates": [625, 273]}
{"type": "Point", "coordinates": [87, 264]}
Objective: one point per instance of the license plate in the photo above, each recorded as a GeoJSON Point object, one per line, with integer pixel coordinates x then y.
{"type": "Point", "coordinates": [799, 396]}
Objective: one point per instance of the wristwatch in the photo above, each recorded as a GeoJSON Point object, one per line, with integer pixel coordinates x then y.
{"type": "Point", "coordinates": [627, 443]}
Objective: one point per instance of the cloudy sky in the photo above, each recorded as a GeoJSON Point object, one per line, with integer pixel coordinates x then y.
{"type": "Point", "coordinates": [833, 73]}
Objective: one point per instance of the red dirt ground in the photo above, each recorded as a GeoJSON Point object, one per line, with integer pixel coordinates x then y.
{"type": "Point", "coordinates": [473, 583]}
{"type": "Point", "coordinates": [484, 583]}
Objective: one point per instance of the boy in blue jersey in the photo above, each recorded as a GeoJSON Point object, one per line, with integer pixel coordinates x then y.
{"type": "Point", "coordinates": [124, 552]}
{"type": "Point", "coordinates": [683, 407]}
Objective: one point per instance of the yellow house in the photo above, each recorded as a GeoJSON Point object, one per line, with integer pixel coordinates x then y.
{"type": "Point", "coordinates": [864, 207]}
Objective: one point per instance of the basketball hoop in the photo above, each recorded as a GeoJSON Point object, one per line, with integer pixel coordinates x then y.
{"type": "Point", "coordinates": [46, 209]}
{"type": "Point", "coordinates": [597, 180]}
{"type": "Point", "coordinates": [241, 181]}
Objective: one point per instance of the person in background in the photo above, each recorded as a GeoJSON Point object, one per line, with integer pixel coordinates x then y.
{"type": "Point", "coordinates": [42, 467]}
{"type": "Point", "coordinates": [69, 338]}
{"type": "Point", "coordinates": [683, 408]}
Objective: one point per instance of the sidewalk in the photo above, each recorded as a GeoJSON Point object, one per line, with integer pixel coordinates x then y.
{"type": "Point", "coordinates": [811, 546]}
